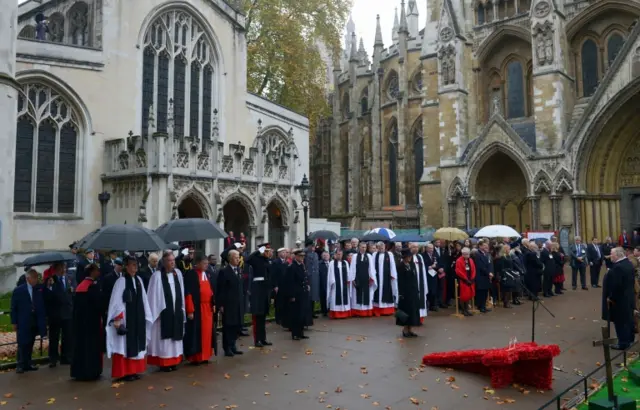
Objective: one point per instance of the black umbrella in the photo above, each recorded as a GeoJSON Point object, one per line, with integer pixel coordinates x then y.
{"type": "Point", "coordinates": [131, 238]}
{"type": "Point", "coordinates": [374, 237]}
{"type": "Point", "coordinates": [326, 235]}
{"type": "Point", "coordinates": [190, 229]}
{"type": "Point", "coordinates": [48, 258]}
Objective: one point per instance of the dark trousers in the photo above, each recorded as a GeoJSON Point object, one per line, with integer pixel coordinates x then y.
{"type": "Point", "coordinates": [583, 275]}
{"type": "Point", "coordinates": [434, 292]}
{"type": "Point", "coordinates": [25, 350]}
{"type": "Point", "coordinates": [451, 287]}
{"type": "Point", "coordinates": [594, 271]}
{"type": "Point", "coordinates": [547, 284]}
{"type": "Point", "coordinates": [60, 340]}
{"type": "Point", "coordinates": [624, 332]}
{"type": "Point", "coordinates": [229, 337]}
{"type": "Point", "coordinates": [323, 300]}
{"type": "Point", "coordinates": [481, 298]}
{"type": "Point", "coordinates": [297, 328]}
{"type": "Point", "coordinates": [259, 328]}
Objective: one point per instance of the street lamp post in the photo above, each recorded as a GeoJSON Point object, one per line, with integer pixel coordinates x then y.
{"type": "Point", "coordinates": [466, 199]}
{"type": "Point", "coordinates": [419, 208]}
{"type": "Point", "coordinates": [305, 189]}
{"type": "Point", "coordinates": [104, 198]}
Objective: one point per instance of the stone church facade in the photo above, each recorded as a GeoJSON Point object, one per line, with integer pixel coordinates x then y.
{"type": "Point", "coordinates": [517, 112]}
{"type": "Point", "coordinates": [145, 100]}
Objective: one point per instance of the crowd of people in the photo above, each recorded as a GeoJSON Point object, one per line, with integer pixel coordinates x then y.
{"type": "Point", "coordinates": [161, 309]}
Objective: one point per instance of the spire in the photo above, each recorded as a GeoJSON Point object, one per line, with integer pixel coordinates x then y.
{"type": "Point", "coordinates": [351, 26]}
{"type": "Point", "coordinates": [354, 52]}
{"type": "Point", "coordinates": [404, 27]}
{"type": "Point", "coordinates": [361, 46]}
{"type": "Point", "coordinates": [396, 27]}
{"type": "Point", "coordinates": [412, 18]}
{"type": "Point", "coordinates": [378, 41]}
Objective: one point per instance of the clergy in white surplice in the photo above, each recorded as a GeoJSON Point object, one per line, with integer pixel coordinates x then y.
{"type": "Point", "coordinates": [166, 300]}
{"type": "Point", "coordinates": [128, 325]}
{"type": "Point", "coordinates": [362, 276]}
{"type": "Point", "coordinates": [338, 292]}
{"type": "Point", "coordinates": [423, 287]}
{"type": "Point", "coordinates": [386, 295]}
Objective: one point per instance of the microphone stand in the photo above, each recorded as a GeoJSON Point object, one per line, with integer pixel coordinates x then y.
{"type": "Point", "coordinates": [534, 306]}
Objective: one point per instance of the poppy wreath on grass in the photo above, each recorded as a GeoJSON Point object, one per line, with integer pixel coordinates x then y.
{"type": "Point", "coordinates": [523, 363]}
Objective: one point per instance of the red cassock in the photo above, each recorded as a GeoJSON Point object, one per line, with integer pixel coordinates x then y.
{"type": "Point", "coordinates": [206, 319]}
{"type": "Point", "coordinates": [466, 292]}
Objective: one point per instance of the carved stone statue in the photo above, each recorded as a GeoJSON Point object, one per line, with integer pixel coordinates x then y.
{"type": "Point", "coordinates": [540, 51]}
{"type": "Point", "coordinates": [447, 58]}
{"type": "Point", "coordinates": [544, 44]}
{"type": "Point", "coordinates": [548, 48]}
{"type": "Point", "coordinates": [496, 105]}
{"type": "Point", "coordinates": [445, 71]}
{"type": "Point", "coordinates": [452, 69]}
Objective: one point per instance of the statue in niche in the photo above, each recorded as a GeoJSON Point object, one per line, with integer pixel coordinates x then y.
{"type": "Point", "coordinates": [448, 65]}
{"type": "Point", "coordinates": [445, 72]}
{"type": "Point", "coordinates": [540, 46]}
{"type": "Point", "coordinates": [452, 69]}
{"type": "Point", "coordinates": [544, 44]}
{"type": "Point", "coordinates": [548, 48]}
{"type": "Point", "coordinates": [496, 105]}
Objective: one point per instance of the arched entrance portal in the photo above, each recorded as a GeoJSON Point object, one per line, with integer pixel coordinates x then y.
{"type": "Point", "coordinates": [236, 220]}
{"type": "Point", "coordinates": [276, 226]}
{"type": "Point", "coordinates": [189, 208]}
{"type": "Point", "coordinates": [501, 194]}
{"type": "Point", "coordinates": [610, 173]}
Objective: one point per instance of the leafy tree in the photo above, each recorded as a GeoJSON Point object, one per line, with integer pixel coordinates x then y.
{"type": "Point", "coordinates": [284, 62]}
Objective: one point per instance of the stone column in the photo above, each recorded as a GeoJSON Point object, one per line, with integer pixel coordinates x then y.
{"type": "Point", "coordinates": [535, 212]}
{"type": "Point", "coordinates": [8, 108]}
{"type": "Point", "coordinates": [254, 231]}
{"type": "Point", "coordinates": [221, 241]}
{"type": "Point", "coordinates": [265, 227]}
{"type": "Point", "coordinates": [555, 211]}
{"type": "Point", "coordinates": [287, 236]}
{"type": "Point", "coordinates": [577, 215]}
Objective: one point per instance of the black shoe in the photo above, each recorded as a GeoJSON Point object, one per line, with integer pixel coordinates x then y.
{"type": "Point", "coordinates": [258, 344]}
{"type": "Point", "coordinates": [52, 365]}
{"type": "Point", "coordinates": [596, 286]}
{"type": "Point", "coordinates": [174, 368]}
{"type": "Point", "coordinates": [413, 334]}
{"type": "Point", "coordinates": [517, 302]}
{"type": "Point", "coordinates": [443, 306]}
{"type": "Point", "coordinates": [31, 368]}
{"type": "Point", "coordinates": [137, 377]}
{"type": "Point", "coordinates": [243, 334]}
{"type": "Point", "coordinates": [129, 378]}
{"type": "Point", "coordinates": [238, 352]}
{"type": "Point", "coordinates": [266, 343]}
{"type": "Point", "coordinates": [406, 334]}
{"type": "Point", "coordinates": [167, 369]}
{"type": "Point", "coordinates": [229, 353]}
{"type": "Point", "coordinates": [64, 362]}
{"type": "Point", "coordinates": [467, 313]}
{"type": "Point", "coordinates": [574, 287]}
{"type": "Point", "coordinates": [19, 370]}
{"type": "Point", "coordinates": [295, 338]}
{"type": "Point", "coordinates": [316, 316]}
{"type": "Point", "coordinates": [585, 288]}
{"type": "Point", "coordinates": [304, 337]}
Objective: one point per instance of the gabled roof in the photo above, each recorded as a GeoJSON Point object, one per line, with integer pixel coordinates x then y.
{"type": "Point", "coordinates": [498, 121]}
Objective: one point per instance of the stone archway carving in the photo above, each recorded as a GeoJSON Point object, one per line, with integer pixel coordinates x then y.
{"type": "Point", "coordinates": [456, 189]}
{"type": "Point", "coordinates": [563, 182]}
{"type": "Point", "coordinates": [245, 201]}
{"type": "Point", "coordinates": [199, 198]}
{"type": "Point", "coordinates": [542, 183]}
{"type": "Point", "coordinates": [476, 164]}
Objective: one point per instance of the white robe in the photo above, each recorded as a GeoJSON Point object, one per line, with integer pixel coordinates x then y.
{"type": "Point", "coordinates": [423, 277]}
{"type": "Point", "coordinates": [159, 347]}
{"type": "Point", "coordinates": [394, 280]}
{"type": "Point", "coordinates": [117, 344]}
{"type": "Point", "coordinates": [373, 284]}
{"type": "Point", "coordinates": [331, 287]}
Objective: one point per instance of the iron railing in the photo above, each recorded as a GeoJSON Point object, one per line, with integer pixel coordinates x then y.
{"type": "Point", "coordinates": [584, 381]}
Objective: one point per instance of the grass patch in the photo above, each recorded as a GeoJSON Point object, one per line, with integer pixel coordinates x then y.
{"type": "Point", "coordinates": [5, 319]}
{"type": "Point", "coordinates": [622, 386]}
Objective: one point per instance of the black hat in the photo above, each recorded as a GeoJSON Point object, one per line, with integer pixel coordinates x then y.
{"type": "Point", "coordinates": [266, 245]}
{"type": "Point", "coordinates": [128, 259]}
{"type": "Point", "coordinates": [308, 242]}
{"type": "Point", "coordinates": [299, 252]}
{"type": "Point", "coordinates": [73, 246]}
{"type": "Point", "coordinates": [406, 252]}
{"type": "Point", "coordinates": [39, 17]}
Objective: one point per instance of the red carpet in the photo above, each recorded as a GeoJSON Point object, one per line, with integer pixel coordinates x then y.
{"type": "Point", "coordinates": [524, 363]}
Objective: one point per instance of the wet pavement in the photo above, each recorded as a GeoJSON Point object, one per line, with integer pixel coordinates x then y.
{"type": "Point", "coordinates": [352, 364]}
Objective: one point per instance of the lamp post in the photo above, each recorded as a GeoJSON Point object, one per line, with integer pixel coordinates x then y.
{"type": "Point", "coordinates": [419, 208]}
{"type": "Point", "coordinates": [465, 200]}
{"type": "Point", "coordinates": [304, 189]}
{"type": "Point", "coordinates": [104, 198]}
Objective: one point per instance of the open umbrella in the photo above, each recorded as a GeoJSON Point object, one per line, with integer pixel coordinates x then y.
{"type": "Point", "coordinates": [132, 238]}
{"type": "Point", "coordinates": [386, 232]}
{"type": "Point", "coordinates": [48, 258]}
{"type": "Point", "coordinates": [497, 231]}
{"type": "Point", "coordinates": [427, 237]}
{"type": "Point", "coordinates": [324, 234]}
{"type": "Point", "coordinates": [190, 229]}
{"type": "Point", "coordinates": [450, 234]}
{"type": "Point", "coordinates": [374, 237]}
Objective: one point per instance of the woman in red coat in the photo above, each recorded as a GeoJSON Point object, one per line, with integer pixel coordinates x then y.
{"type": "Point", "coordinates": [466, 274]}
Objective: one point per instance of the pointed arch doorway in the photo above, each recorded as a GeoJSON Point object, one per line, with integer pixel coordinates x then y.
{"type": "Point", "coordinates": [189, 208]}
{"type": "Point", "coordinates": [236, 220]}
{"type": "Point", "coordinates": [276, 226]}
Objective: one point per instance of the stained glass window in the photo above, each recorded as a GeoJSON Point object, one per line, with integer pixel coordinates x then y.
{"type": "Point", "coordinates": [148, 64]}
{"type": "Point", "coordinates": [185, 54]}
{"type": "Point", "coordinates": [515, 90]}
{"type": "Point", "coordinates": [481, 17]}
{"type": "Point", "coordinates": [589, 59]}
{"type": "Point", "coordinates": [46, 138]}
{"type": "Point", "coordinates": [614, 44]}
{"type": "Point", "coordinates": [417, 82]}
{"type": "Point", "coordinates": [393, 86]}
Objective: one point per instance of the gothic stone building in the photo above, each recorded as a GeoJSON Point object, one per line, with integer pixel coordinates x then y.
{"type": "Point", "coordinates": [147, 101]}
{"type": "Point", "coordinates": [517, 112]}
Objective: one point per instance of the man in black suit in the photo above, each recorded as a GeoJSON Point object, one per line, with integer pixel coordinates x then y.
{"type": "Point", "coordinates": [484, 274]}
{"type": "Point", "coordinates": [595, 258]}
{"type": "Point", "coordinates": [58, 299]}
{"type": "Point", "coordinates": [444, 262]}
{"type": "Point", "coordinates": [618, 298]}
{"type": "Point", "coordinates": [323, 270]}
{"type": "Point", "coordinates": [109, 282]}
{"type": "Point", "coordinates": [146, 271]}
{"type": "Point", "coordinates": [229, 303]}
{"type": "Point", "coordinates": [279, 269]}
{"type": "Point", "coordinates": [28, 318]}
{"type": "Point", "coordinates": [549, 269]}
{"type": "Point", "coordinates": [431, 264]}
{"type": "Point", "coordinates": [87, 260]}
{"type": "Point", "coordinates": [106, 264]}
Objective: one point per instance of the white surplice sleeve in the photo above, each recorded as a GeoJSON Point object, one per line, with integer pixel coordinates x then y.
{"type": "Point", "coordinates": [394, 277]}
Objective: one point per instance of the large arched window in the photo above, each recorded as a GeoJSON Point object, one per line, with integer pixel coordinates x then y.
{"type": "Point", "coordinates": [589, 60]}
{"type": "Point", "coordinates": [418, 158]}
{"type": "Point", "coordinates": [392, 154]}
{"type": "Point", "coordinates": [614, 44]}
{"type": "Point", "coordinates": [78, 17]}
{"type": "Point", "coordinates": [393, 86]}
{"type": "Point", "coordinates": [46, 152]}
{"type": "Point", "coordinates": [178, 67]}
{"type": "Point", "coordinates": [515, 90]}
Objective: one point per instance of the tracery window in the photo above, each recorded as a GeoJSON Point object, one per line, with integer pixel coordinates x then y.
{"type": "Point", "coordinates": [176, 47]}
{"type": "Point", "coordinates": [393, 86]}
{"type": "Point", "coordinates": [78, 16]}
{"type": "Point", "coordinates": [392, 154]}
{"type": "Point", "coordinates": [56, 28]}
{"type": "Point", "coordinates": [515, 90]}
{"type": "Point", "coordinates": [46, 152]}
{"type": "Point", "coordinates": [589, 59]}
{"type": "Point", "coordinates": [614, 44]}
